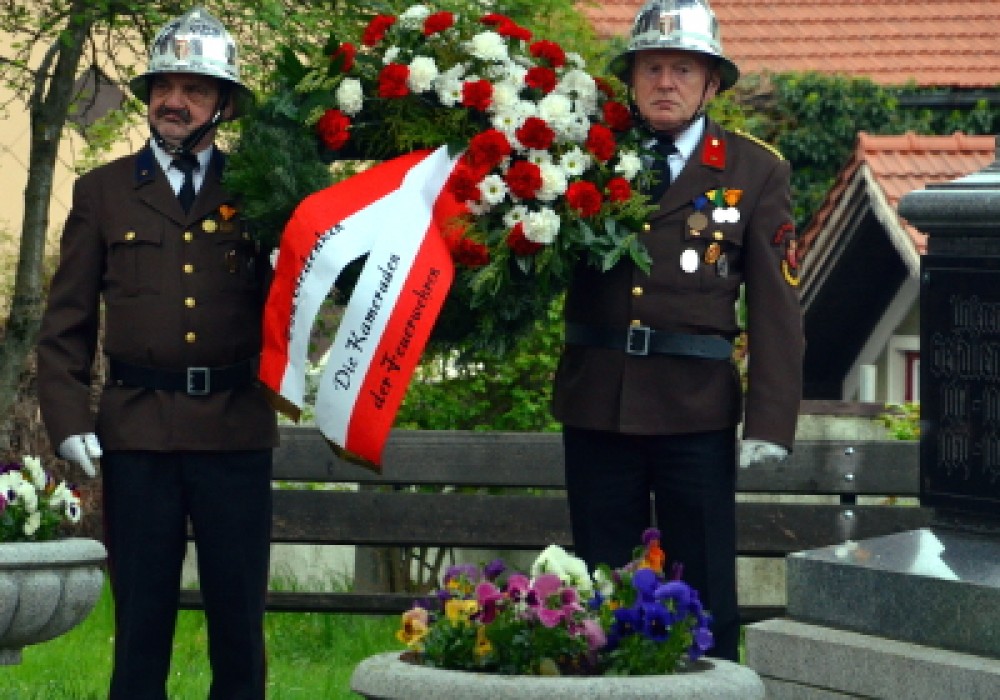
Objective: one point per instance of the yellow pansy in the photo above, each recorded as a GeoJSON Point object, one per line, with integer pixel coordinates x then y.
{"type": "Point", "coordinates": [414, 627]}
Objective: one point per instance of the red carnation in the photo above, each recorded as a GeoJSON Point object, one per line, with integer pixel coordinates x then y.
{"type": "Point", "coordinates": [477, 94]}
{"type": "Point", "coordinates": [505, 26]}
{"type": "Point", "coordinates": [549, 51]}
{"type": "Point", "coordinates": [464, 183]}
{"type": "Point", "coordinates": [617, 116]}
{"type": "Point", "coordinates": [604, 86]}
{"type": "Point", "coordinates": [535, 133]}
{"type": "Point", "coordinates": [584, 197]}
{"type": "Point", "coordinates": [601, 142]}
{"type": "Point", "coordinates": [468, 252]}
{"type": "Point", "coordinates": [392, 81]}
{"type": "Point", "coordinates": [486, 150]}
{"type": "Point", "coordinates": [524, 179]}
{"type": "Point", "coordinates": [519, 243]}
{"type": "Point", "coordinates": [376, 29]}
{"type": "Point", "coordinates": [333, 128]}
{"type": "Point", "coordinates": [542, 78]}
{"type": "Point", "coordinates": [344, 55]}
{"type": "Point", "coordinates": [619, 189]}
{"type": "Point", "coordinates": [438, 22]}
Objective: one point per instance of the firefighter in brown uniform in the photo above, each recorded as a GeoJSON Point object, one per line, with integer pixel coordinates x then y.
{"type": "Point", "coordinates": [646, 389]}
{"type": "Point", "coordinates": [185, 432]}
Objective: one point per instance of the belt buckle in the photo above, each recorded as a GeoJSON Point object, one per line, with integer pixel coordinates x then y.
{"type": "Point", "coordinates": [199, 381]}
{"type": "Point", "coordinates": [637, 340]}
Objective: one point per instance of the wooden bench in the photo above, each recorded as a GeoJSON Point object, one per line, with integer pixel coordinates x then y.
{"type": "Point", "coordinates": [499, 513]}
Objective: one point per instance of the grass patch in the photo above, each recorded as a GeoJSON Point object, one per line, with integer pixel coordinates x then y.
{"type": "Point", "coordinates": [310, 655]}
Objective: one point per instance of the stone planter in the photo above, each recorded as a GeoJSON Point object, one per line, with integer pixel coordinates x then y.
{"type": "Point", "coordinates": [387, 677]}
{"type": "Point", "coordinates": [46, 589]}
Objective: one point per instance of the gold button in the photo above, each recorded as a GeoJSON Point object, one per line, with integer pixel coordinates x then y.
{"type": "Point", "coordinates": [718, 235]}
{"type": "Point", "coordinates": [188, 268]}
{"type": "Point", "coordinates": [130, 236]}
{"type": "Point", "coordinates": [188, 236]}
{"type": "Point", "coordinates": [646, 226]}
{"type": "Point", "coordinates": [209, 226]}
{"type": "Point", "coordinates": [189, 302]}
{"type": "Point", "coordinates": [637, 291]}
{"type": "Point", "coordinates": [190, 336]}
{"type": "Point", "coordinates": [636, 322]}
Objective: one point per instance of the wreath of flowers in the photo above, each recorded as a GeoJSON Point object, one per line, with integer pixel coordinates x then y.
{"type": "Point", "coordinates": [551, 168]}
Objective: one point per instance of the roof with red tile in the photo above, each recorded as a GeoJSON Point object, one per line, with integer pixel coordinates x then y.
{"type": "Point", "coordinates": [945, 43]}
{"type": "Point", "coordinates": [884, 168]}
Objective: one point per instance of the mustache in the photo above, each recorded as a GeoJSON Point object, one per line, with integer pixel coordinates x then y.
{"type": "Point", "coordinates": [182, 114]}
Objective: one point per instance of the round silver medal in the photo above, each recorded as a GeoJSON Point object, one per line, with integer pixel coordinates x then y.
{"type": "Point", "coordinates": [689, 260]}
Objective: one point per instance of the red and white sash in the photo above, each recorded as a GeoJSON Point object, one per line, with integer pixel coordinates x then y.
{"type": "Point", "coordinates": [394, 212]}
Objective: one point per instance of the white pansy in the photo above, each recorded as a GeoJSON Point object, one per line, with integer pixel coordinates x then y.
{"type": "Point", "coordinates": [413, 18]}
{"type": "Point", "coordinates": [350, 97]}
{"type": "Point", "coordinates": [33, 466]}
{"type": "Point", "coordinates": [390, 55]}
{"type": "Point", "coordinates": [488, 46]}
{"type": "Point", "coordinates": [554, 182]}
{"type": "Point", "coordinates": [27, 496]}
{"type": "Point", "coordinates": [603, 583]}
{"type": "Point", "coordinates": [629, 164]}
{"type": "Point", "coordinates": [575, 162]}
{"type": "Point", "coordinates": [493, 189]}
{"type": "Point", "coordinates": [515, 215]}
{"type": "Point", "coordinates": [423, 71]}
{"type": "Point", "coordinates": [542, 226]}
{"type": "Point", "coordinates": [32, 523]}
{"type": "Point", "coordinates": [572, 571]}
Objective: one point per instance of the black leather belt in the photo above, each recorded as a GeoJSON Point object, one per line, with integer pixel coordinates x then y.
{"type": "Point", "coordinates": [195, 381]}
{"type": "Point", "coordinates": [640, 340]}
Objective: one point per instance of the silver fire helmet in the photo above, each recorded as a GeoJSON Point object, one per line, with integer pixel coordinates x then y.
{"type": "Point", "coordinates": [682, 25]}
{"type": "Point", "coordinates": [195, 42]}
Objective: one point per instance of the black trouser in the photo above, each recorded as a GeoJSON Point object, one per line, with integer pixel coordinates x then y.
{"type": "Point", "coordinates": [609, 477]}
{"type": "Point", "coordinates": [148, 499]}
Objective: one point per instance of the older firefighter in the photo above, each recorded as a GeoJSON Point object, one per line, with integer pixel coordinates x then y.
{"type": "Point", "coordinates": [184, 433]}
{"type": "Point", "coordinates": [647, 390]}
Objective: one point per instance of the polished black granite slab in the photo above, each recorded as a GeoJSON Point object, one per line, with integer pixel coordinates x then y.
{"type": "Point", "coordinates": [931, 586]}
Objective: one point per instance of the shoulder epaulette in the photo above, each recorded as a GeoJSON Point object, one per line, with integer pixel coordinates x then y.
{"type": "Point", "coordinates": [760, 142]}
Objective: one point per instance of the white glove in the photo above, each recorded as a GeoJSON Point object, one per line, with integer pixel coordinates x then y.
{"type": "Point", "coordinates": [755, 451]}
{"type": "Point", "coordinates": [81, 450]}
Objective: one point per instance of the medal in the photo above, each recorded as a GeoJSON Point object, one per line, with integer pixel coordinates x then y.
{"type": "Point", "coordinates": [696, 222]}
{"type": "Point", "coordinates": [689, 260]}
{"type": "Point", "coordinates": [722, 266]}
{"type": "Point", "coordinates": [712, 253]}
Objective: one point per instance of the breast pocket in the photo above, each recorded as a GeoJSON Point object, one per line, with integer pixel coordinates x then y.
{"type": "Point", "coordinates": [235, 259]}
{"type": "Point", "coordinates": [720, 252]}
{"type": "Point", "coordinates": [135, 262]}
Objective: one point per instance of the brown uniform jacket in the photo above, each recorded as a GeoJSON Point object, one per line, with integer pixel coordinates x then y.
{"type": "Point", "coordinates": [178, 290]}
{"type": "Point", "coordinates": [605, 389]}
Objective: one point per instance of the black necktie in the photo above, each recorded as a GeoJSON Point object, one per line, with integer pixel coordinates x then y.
{"type": "Point", "coordinates": [664, 148]}
{"type": "Point", "coordinates": [187, 164]}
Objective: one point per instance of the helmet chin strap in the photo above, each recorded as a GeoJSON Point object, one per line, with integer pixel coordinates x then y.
{"type": "Point", "coordinates": [192, 139]}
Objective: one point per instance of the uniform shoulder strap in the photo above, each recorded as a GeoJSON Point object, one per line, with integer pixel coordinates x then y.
{"type": "Point", "coordinates": [760, 142]}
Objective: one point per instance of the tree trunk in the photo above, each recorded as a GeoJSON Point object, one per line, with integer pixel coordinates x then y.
{"type": "Point", "coordinates": [50, 103]}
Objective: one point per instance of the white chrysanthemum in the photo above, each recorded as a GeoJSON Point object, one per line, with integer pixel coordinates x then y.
{"type": "Point", "coordinates": [506, 122]}
{"type": "Point", "coordinates": [554, 182]}
{"type": "Point", "coordinates": [350, 97]}
{"type": "Point", "coordinates": [33, 467]}
{"type": "Point", "coordinates": [575, 162]}
{"type": "Point", "coordinates": [488, 46]}
{"type": "Point", "coordinates": [577, 83]}
{"type": "Point", "coordinates": [448, 90]}
{"type": "Point", "coordinates": [32, 523]}
{"type": "Point", "coordinates": [515, 215]}
{"type": "Point", "coordinates": [576, 60]}
{"type": "Point", "coordinates": [423, 71]}
{"type": "Point", "coordinates": [413, 18]}
{"type": "Point", "coordinates": [574, 129]}
{"type": "Point", "coordinates": [538, 157]}
{"type": "Point", "coordinates": [516, 74]}
{"type": "Point", "coordinates": [493, 189]}
{"type": "Point", "coordinates": [555, 109]}
{"type": "Point", "coordinates": [629, 164]}
{"type": "Point", "coordinates": [504, 97]}
{"type": "Point", "coordinates": [390, 55]}
{"type": "Point", "coordinates": [542, 226]}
